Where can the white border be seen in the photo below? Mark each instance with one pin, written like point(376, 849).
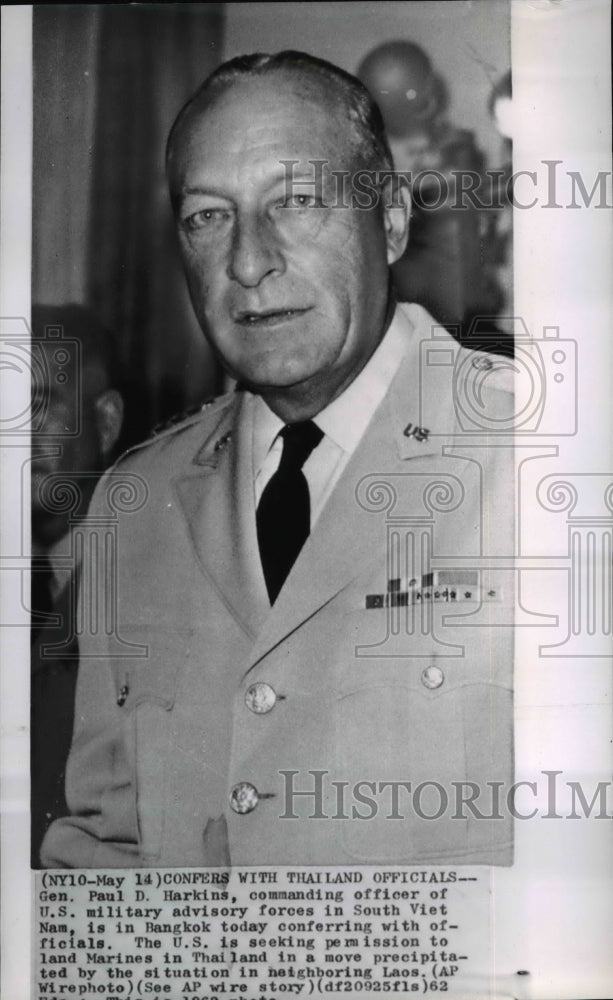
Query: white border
point(15, 257)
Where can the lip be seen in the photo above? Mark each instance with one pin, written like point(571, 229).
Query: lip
point(252, 319)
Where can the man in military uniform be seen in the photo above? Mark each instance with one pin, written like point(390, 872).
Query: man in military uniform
point(311, 652)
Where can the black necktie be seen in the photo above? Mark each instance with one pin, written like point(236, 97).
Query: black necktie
point(284, 511)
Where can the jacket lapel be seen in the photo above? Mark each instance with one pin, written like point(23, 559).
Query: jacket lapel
point(347, 537)
point(217, 500)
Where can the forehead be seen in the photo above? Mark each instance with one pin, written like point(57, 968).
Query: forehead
point(258, 122)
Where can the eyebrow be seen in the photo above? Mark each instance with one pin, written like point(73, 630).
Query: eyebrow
point(277, 181)
point(177, 198)
point(199, 190)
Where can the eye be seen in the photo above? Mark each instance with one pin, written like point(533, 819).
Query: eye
point(300, 201)
point(206, 218)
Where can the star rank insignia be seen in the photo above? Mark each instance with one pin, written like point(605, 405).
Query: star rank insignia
point(222, 442)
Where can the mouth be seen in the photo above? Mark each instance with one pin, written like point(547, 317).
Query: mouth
point(269, 317)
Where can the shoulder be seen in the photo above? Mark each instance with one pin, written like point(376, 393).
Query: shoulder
point(489, 371)
point(465, 365)
point(479, 384)
point(484, 392)
point(147, 468)
point(181, 431)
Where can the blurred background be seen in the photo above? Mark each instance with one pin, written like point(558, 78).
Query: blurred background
point(108, 82)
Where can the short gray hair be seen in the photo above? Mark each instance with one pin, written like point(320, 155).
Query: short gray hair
point(361, 110)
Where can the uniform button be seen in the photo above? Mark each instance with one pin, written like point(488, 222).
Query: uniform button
point(244, 797)
point(260, 697)
point(432, 677)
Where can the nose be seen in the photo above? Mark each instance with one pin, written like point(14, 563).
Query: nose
point(255, 252)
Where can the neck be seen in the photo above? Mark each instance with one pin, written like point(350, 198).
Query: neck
point(298, 403)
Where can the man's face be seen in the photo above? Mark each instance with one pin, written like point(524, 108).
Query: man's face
point(291, 293)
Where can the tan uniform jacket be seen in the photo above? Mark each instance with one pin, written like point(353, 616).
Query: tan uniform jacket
point(379, 683)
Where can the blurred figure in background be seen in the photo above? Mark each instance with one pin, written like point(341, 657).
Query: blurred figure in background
point(77, 417)
point(445, 267)
point(498, 253)
point(414, 99)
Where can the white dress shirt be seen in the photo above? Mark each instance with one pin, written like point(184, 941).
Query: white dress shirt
point(343, 423)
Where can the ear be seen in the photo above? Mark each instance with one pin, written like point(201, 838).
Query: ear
point(109, 419)
point(397, 212)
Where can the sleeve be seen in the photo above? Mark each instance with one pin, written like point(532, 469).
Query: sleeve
point(102, 830)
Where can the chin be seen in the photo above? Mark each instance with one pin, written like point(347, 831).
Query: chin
point(270, 377)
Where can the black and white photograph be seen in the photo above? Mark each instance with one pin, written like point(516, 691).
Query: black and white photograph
point(274, 636)
point(308, 529)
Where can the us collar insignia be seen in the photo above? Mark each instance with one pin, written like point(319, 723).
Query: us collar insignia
point(419, 433)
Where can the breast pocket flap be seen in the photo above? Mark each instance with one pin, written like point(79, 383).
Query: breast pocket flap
point(154, 677)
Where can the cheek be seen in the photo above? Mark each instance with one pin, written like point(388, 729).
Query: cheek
point(203, 271)
point(195, 272)
point(356, 256)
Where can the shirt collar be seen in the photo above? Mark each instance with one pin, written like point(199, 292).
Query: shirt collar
point(346, 418)
point(266, 426)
